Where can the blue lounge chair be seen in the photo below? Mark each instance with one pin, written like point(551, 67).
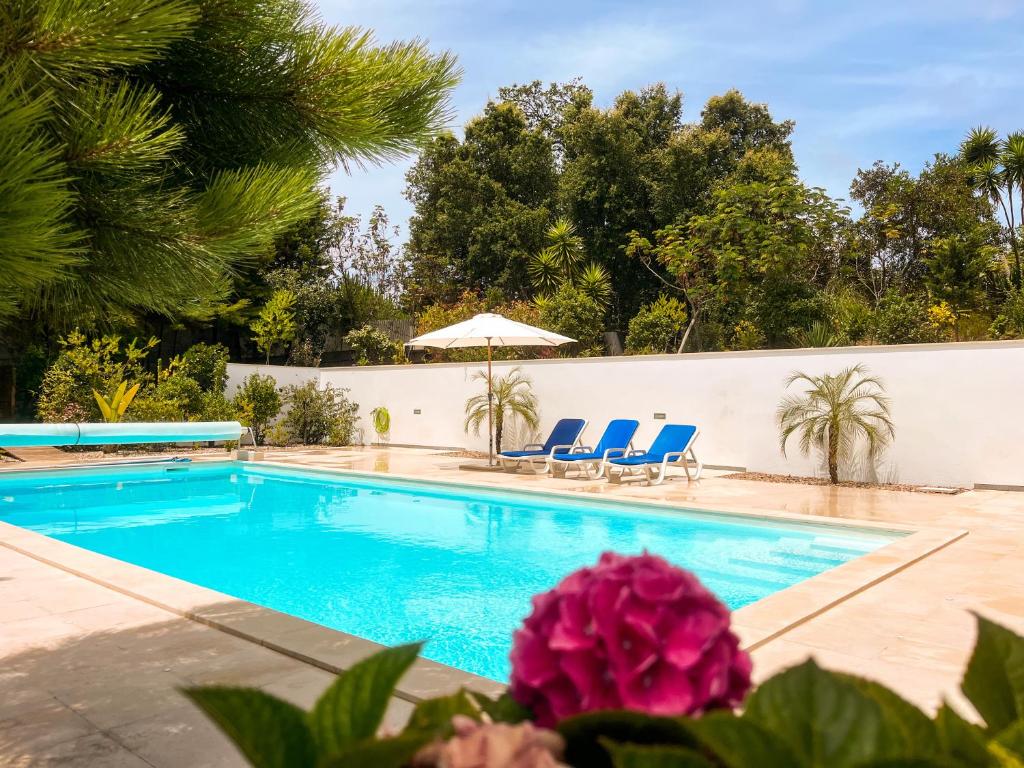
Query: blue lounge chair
point(534, 456)
point(590, 460)
point(673, 447)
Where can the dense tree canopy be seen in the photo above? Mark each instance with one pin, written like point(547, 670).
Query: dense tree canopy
point(148, 148)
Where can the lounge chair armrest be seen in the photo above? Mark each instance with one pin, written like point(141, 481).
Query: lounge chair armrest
point(637, 452)
point(533, 446)
point(582, 449)
point(614, 453)
point(560, 449)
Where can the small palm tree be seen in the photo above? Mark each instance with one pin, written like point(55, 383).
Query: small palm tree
point(512, 395)
point(834, 412)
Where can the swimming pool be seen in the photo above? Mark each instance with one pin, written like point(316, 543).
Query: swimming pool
point(395, 561)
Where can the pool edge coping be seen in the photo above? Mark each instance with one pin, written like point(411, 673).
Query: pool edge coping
point(335, 651)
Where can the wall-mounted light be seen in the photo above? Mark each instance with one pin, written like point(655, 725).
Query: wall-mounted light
point(659, 416)
point(415, 411)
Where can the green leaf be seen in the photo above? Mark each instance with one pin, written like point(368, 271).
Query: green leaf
point(919, 735)
point(271, 733)
point(656, 756)
point(434, 716)
point(739, 743)
point(1008, 746)
point(960, 739)
point(351, 710)
point(503, 709)
point(994, 680)
point(585, 733)
point(380, 753)
point(824, 718)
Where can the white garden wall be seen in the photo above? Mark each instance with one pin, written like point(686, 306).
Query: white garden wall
point(958, 408)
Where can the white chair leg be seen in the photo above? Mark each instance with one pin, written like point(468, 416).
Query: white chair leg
point(700, 467)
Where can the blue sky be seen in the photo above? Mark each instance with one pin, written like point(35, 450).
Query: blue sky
point(865, 81)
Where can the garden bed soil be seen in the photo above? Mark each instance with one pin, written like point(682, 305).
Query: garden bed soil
point(769, 478)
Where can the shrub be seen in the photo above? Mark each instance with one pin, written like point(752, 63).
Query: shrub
point(901, 320)
point(184, 391)
point(258, 402)
point(148, 407)
point(1009, 323)
point(216, 407)
point(657, 327)
point(207, 364)
point(571, 312)
point(370, 345)
point(313, 412)
point(746, 335)
point(438, 316)
point(83, 366)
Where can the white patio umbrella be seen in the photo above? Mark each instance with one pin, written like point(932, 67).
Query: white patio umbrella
point(489, 330)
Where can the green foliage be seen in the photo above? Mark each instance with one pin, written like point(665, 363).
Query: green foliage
point(1009, 323)
point(215, 407)
point(482, 206)
point(188, 131)
point(957, 267)
point(181, 390)
point(112, 408)
point(258, 402)
point(657, 327)
point(901, 319)
point(82, 366)
point(315, 415)
point(512, 398)
point(834, 413)
point(207, 365)
point(803, 717)
point(276, 322)
point(820, 334)
point(571, 312)
point(370, 345)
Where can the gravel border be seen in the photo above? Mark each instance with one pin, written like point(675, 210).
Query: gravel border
point(794, 479)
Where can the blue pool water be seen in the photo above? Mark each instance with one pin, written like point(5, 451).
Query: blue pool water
point(396, 561)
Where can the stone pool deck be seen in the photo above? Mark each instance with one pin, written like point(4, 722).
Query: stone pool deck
point(91, 663)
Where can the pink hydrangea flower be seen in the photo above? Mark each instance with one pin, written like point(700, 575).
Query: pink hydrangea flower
point(631, 632)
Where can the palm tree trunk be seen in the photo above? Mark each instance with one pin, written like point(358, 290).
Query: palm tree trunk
point(499, 424)
point(833, 455)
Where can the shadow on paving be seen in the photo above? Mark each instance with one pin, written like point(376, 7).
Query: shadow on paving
point(106, 698)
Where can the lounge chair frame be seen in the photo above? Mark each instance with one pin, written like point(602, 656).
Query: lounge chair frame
point(590, 469)
point(655, 472)
point(541, 463)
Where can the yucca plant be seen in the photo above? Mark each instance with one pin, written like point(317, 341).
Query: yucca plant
point(113, 408)
point(818, 335)
point(512, 396)
point(834, 412)
point(595, 281)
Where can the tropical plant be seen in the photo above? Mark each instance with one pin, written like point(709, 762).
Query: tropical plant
point(84, 365)
point(113, 407)
point(819, 334)
point(191, 132)
point(381, 422)
point(314, 413)
point(594, 281)
point(370, 345)
point(512, 398)
point(258, 402)
point(997, 171)
point(834, 413)
point(802, 717)
point(657, 327)
point(276, 322)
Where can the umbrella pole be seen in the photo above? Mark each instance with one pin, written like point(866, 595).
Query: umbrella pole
point(490, 410)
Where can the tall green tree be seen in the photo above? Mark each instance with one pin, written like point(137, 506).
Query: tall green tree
point(149, 147)
point(957, 266)
point(482, 207)
point(997, 173)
